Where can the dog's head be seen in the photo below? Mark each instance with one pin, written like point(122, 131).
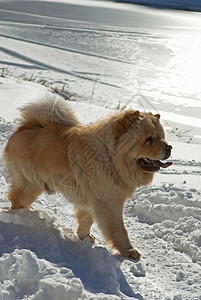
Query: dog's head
point(141, 135)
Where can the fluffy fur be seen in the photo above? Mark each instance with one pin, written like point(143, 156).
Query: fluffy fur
point(96, 167)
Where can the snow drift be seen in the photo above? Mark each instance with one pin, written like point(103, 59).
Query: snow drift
point(41, 257)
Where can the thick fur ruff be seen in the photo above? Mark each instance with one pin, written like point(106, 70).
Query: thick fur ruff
point(96, 167)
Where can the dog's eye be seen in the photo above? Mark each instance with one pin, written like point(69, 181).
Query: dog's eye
point(149, 140)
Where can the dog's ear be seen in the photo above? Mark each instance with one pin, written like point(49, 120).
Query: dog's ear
point(136, 114)
point(127, 120)
point(157, 116)
point(124, 122)
point(131, 116)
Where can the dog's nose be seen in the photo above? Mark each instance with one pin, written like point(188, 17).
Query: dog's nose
point(167, 150)
point(168, 147)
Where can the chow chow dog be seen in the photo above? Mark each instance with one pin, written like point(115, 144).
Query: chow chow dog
point(97, 167)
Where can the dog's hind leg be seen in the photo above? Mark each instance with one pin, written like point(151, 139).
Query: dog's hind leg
point(85, 220)
point(24, 184)
point(24, 196)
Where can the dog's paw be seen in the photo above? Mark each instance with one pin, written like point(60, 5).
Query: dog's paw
point(132, 253)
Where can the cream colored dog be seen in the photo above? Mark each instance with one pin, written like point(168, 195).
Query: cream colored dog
point(96, 167)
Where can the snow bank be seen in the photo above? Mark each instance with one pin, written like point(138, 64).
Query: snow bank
point(55, 266)
point(41, 257)
point(24, 276)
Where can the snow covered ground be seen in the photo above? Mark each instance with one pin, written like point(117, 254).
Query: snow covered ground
point(41, 257)
point(107, 61)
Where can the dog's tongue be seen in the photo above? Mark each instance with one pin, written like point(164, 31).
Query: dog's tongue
point(159, 164)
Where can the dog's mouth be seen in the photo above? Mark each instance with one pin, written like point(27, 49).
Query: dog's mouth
point(149, 165)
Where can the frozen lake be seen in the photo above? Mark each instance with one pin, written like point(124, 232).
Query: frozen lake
point(110, 54)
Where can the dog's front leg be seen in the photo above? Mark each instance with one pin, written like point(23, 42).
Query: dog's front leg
point(85, 221)
point(110, 220)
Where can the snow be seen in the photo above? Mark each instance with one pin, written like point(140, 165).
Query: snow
point(40, 254)
point(43, 259)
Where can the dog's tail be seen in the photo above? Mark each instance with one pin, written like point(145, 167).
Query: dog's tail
point(50, 109)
